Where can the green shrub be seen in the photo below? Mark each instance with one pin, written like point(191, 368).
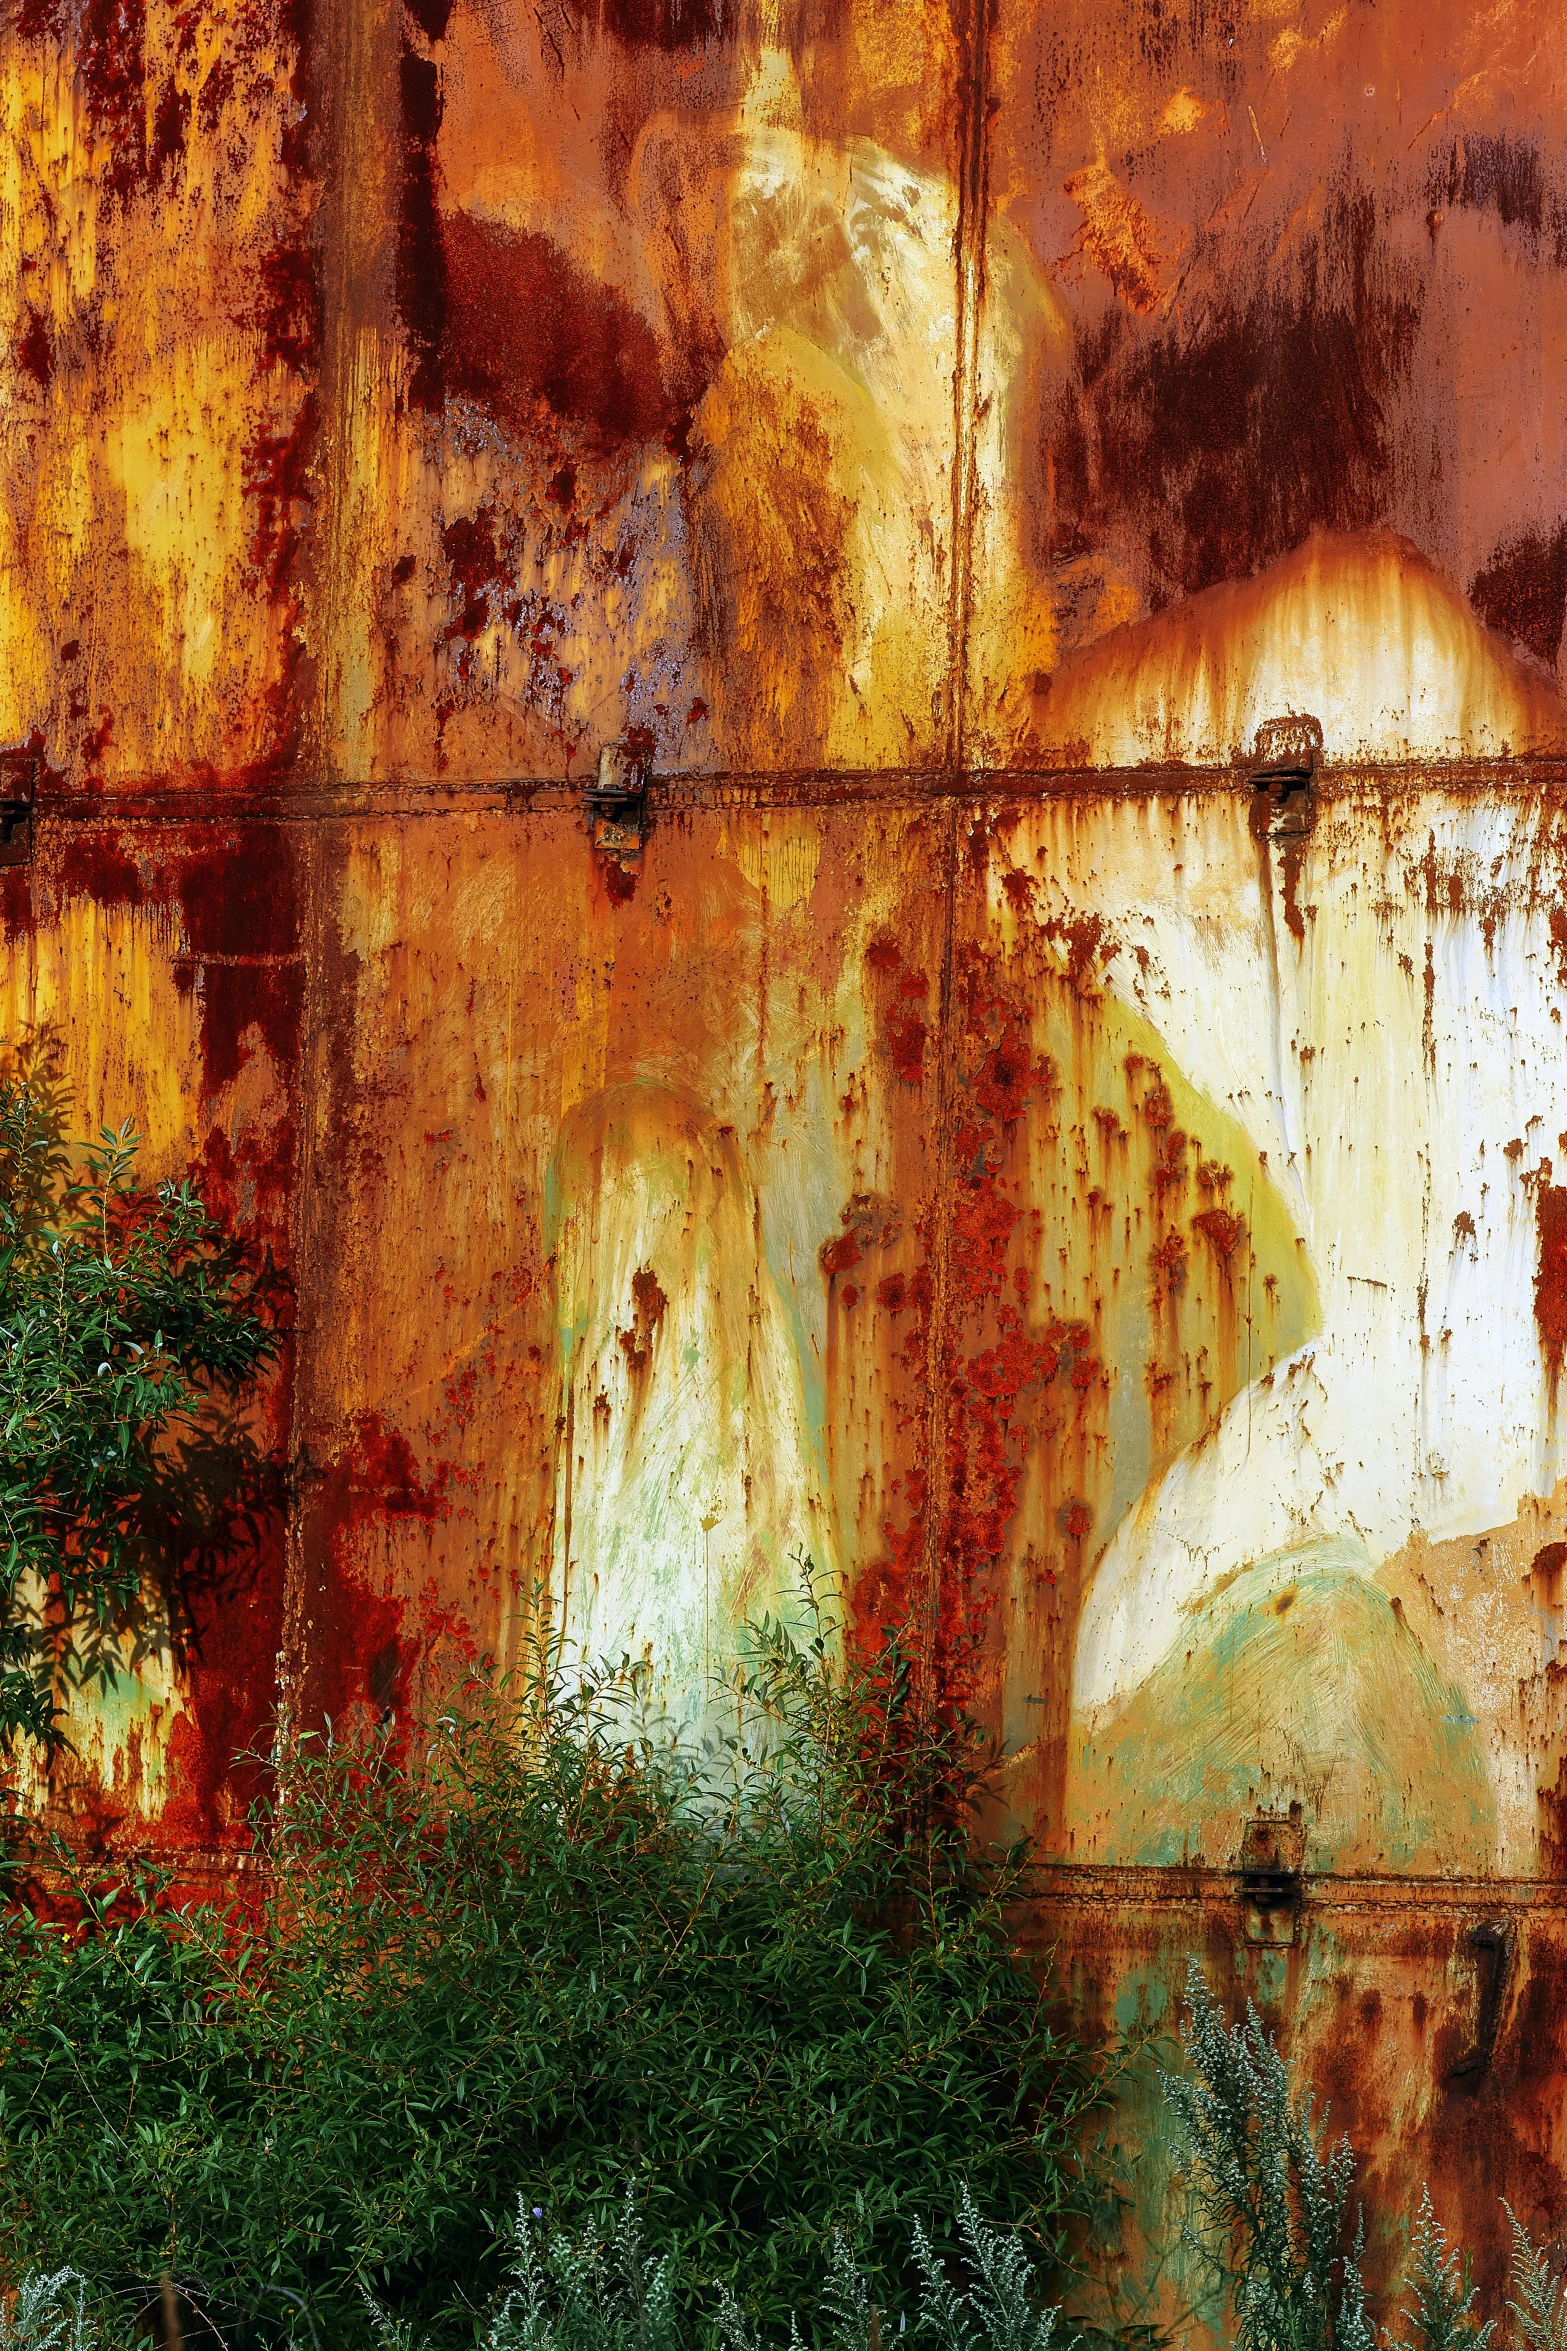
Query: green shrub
point(122, 1315)
point(541, 1948)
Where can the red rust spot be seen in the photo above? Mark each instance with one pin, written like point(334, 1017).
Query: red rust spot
point(1550, 1282)
point(839, 1254)
point(883, 953)
point(1009, 1075)
point(1088, 939)
point(96, 743)
point(906, 1036)
point(1220, 1230)
point(1168, 1262)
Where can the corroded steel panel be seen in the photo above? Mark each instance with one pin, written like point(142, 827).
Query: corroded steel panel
point(619, 1198)
point(160, 968)
point(645, 394)
point(1302, 270)
point(962, 1125)
point(160, 306)
point(1286, 1122)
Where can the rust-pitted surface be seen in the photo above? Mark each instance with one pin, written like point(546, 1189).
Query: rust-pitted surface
point(1052, 1102)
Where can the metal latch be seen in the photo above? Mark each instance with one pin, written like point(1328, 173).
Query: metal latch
point(1283, 772)
point(617, 800)
point(18, 787)
point(1273, 1854)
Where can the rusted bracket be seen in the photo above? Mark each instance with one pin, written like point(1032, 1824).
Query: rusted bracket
point(1273, 1853)
point(18, 789)
point(617, 802)
point(1492, 1944)
point(1283, 773)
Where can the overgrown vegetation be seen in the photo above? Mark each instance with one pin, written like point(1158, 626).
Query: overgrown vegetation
point(589, 2292)
point(122, 1313)
point(1275, 2220)
point(542, 1948)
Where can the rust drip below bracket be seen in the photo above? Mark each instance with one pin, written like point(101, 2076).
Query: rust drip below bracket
point(1491, 1942)
point(18, 790)
point(1283, 775)
point(616, 803)
point(1273, 1853)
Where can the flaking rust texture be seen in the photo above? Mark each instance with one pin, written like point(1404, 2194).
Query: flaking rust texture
point(966, 1125)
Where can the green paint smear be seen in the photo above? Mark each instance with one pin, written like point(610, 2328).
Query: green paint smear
point(1295, 1680)
point(1090, 1044)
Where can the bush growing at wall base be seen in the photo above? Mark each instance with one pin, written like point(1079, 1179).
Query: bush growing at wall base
point(539, 1949)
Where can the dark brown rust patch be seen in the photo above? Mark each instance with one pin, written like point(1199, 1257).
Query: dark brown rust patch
point(478, 572)
point(1522, 591)
point(290, 311)
point(421, 263)
point(656, 24)
point(524, 326)
point(35, 352)
point(648, 1307)
point(1483, 172)
point(1222, 436)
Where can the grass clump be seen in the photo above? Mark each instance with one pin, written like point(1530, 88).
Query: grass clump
point(540, 1948)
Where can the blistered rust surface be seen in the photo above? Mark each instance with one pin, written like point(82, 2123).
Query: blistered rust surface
point(1112, 1220)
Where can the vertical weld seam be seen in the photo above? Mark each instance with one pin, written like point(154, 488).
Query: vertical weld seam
point(969, 261)
point(355, 277)
point(940, 1264)
point(291, 1661)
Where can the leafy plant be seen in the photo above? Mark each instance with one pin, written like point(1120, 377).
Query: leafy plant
point(586, 2293)
point(999, 2311)
point(544, 1944)
point(1442, 2317)
point(1539, 2297)
point(53, 2312)
point(1271, 2199)
point(120, 1313)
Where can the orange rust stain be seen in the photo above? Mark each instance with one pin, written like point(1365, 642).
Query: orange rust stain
point(648, 1305)
point(1550, 1281)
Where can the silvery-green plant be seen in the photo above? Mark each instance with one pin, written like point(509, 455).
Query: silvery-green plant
point(1539, 2297)
point(1442, 2314)
point(586, 2293)
point(52, 2311)
point(1270, 2196)
point(573, 2293)
point(1000, 2310)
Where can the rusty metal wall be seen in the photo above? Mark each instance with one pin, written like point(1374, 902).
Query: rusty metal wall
point(964, 1120)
